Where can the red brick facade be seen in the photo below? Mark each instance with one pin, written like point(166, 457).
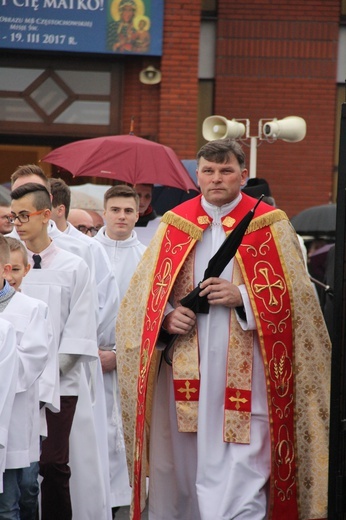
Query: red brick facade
point(167, 112)
point(275, 60)
point(272, 60)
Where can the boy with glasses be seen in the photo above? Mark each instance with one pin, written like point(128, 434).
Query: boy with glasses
point(63, 281)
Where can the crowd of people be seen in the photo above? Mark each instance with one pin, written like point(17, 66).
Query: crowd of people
point(94, 415)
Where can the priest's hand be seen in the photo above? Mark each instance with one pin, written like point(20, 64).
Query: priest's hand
point(221, 292)
point(108, 360)
point(179, 321)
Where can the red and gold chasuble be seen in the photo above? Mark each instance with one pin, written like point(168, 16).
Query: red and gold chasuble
point(262, 271)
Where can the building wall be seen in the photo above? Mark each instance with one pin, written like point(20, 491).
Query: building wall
point(276, 59)
point(167, 112)
point(273, 59)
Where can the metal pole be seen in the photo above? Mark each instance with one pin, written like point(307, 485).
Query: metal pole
point(253, 157)
point(337, 451)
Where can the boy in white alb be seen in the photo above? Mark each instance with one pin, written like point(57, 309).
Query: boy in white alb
point(33, 173)
point(89, 496)
point(48, 383)
point(124, 251)
point(29, 320)
point(85, 504)
point(63, 281)
point(8, 383)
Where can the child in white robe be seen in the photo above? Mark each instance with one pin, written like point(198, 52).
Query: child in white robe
point(28, 316)
point(8, 383)
point(48, 382)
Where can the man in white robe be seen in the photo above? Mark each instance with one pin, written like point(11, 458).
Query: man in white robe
point(209, 470)
point(124, 251)
point(87, 499)
point(224, 432)
point(65, 285)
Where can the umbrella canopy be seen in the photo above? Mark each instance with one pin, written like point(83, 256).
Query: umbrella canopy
point(125, 158)
point(317, 221)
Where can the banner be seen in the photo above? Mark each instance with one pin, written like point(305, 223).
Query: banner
point(93, 26)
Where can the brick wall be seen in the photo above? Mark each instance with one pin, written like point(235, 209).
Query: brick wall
point(275, 60)
point(272, 60)
point(167, 112)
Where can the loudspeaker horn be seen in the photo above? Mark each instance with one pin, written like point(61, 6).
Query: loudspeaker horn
point(218, 127)
point(291, 129)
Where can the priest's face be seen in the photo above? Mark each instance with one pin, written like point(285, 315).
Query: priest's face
point(120, 215)
point(220, 183)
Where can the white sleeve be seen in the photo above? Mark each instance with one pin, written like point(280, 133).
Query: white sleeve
point(249, 323)
point(79, 332)
point(8, 382)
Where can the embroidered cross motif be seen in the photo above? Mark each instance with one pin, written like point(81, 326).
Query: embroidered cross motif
point(187, 390)
point(237, 400)
point(204, 219)
point(162, 282)
point(264, 271)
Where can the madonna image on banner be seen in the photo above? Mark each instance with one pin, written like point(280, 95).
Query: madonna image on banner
point(134, 26)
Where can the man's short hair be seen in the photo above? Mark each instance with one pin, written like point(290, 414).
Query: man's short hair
point(221, 150)
point(121, 190)
point(41, 196)
point(27, 171)
point(4, 250)
point(61, 194)
point(16, 245)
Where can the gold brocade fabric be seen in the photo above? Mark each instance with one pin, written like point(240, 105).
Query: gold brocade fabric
point(311, 367)
point(239, 365)
point(185, 358)
point(312, 362)
point(129, 325)
point(239, 375)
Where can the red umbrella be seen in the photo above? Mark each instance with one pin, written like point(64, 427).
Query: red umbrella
point(125, 158)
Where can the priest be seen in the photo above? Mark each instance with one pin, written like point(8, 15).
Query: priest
point(237, 427)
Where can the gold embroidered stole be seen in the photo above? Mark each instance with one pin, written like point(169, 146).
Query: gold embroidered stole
point(177, 242)
point(262, 269)
point(268, 287)
point(186, 376)
point(185, 364)
point(237, 420)
point(183, 229)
